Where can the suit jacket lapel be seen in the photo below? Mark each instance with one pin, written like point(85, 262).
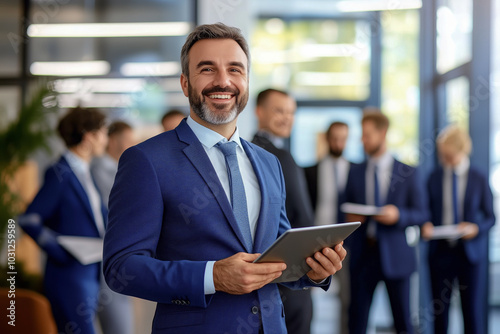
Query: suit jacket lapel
point(439, 195)
point(262, 230)
point(78, 188)
point(195, 152)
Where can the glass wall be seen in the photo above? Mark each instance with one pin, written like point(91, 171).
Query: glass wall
point(454, 34)
point(400, 82)
point(495, 134)
point(313, 59)
point(308, 141)
point(457, 101)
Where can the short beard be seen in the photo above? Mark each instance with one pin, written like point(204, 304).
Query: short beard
point(336, 153)
point(374, 151)
point(201, 110)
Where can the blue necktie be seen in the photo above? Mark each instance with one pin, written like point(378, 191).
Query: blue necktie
point(238, 197)
point(455, 198)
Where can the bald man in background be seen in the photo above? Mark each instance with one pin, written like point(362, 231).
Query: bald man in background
point(171, 119)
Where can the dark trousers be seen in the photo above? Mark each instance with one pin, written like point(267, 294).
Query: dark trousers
point(449, 265)
point(365, 276)
point(298, 310)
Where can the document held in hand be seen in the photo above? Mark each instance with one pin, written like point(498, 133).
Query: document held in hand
point(360, 209)
point(85, 249)
point(295, 245)
point(448, 232)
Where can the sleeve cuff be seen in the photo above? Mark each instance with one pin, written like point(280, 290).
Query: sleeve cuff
point(209, 278)
point(317, 283)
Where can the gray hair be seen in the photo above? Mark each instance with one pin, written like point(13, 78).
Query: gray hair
point(212, 31)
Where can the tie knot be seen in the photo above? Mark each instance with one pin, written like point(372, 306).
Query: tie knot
point(228, 148)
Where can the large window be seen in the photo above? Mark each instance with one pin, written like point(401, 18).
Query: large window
point(308, 137)
point(454, 33)
point(314, 59)
point(457, 101)
point(495, 134)
point(400, 93)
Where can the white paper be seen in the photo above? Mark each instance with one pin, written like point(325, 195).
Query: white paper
point(85, 249)
point(360, 209)
point(449, 232)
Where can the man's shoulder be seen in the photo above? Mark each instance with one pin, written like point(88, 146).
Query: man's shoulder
point(259, 150)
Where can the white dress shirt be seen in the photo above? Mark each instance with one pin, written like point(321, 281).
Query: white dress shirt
point(385, 165)
point(104, 169)
point(81, 168)
point(209, 139)
point(462, 172)
point(330, 184)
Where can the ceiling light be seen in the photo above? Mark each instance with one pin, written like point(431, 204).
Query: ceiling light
point(70, 68)
point(150, 69)
point(377, 5)
point(118, 85)
point(131, 29)
point(331, 79)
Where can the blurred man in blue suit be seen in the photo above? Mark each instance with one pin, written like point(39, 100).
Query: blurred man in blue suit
point(378, 249)
point(69, 204)
point(459, 195)
point(191, 208)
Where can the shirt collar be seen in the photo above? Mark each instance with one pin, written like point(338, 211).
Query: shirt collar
point(382, 162)
point(210, 138)
point(76, 163)
point(277, 141)
point(461, 168)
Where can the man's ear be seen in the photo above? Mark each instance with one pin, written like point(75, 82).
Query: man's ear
point(184, 85)
point(259, 112)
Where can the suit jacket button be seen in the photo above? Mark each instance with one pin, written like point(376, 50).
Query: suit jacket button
point(255, 310)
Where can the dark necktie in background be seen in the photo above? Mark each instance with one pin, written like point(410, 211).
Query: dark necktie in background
point(376, 187)
point(455, 198)
point(238, 197)
point(372, 224)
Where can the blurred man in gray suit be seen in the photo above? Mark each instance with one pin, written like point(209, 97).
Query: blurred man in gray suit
point(114, 310)
point(326, 182)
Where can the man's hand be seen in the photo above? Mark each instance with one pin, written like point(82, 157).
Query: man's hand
point(389, 215)
point(326, 262)
point(238, 274)
point(471, 230)
point(351, 217)
point(427, 230)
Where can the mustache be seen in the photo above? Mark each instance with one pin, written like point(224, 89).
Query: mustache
point(218, 89)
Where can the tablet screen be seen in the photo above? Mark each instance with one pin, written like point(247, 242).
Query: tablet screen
point(295, 245)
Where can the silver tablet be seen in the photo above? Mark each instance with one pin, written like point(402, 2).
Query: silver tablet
point(297, 244)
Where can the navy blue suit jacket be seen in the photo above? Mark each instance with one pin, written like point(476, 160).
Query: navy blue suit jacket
point(62, 207)
point(477, 208)
point(169, 215)
point(406, 193)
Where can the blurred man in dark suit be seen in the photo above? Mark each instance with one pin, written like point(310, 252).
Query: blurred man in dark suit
point(326, 182)
point(459, 195)
point(379, 250)
point(275, 112)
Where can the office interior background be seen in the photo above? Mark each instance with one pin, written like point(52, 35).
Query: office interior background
point(425, 63)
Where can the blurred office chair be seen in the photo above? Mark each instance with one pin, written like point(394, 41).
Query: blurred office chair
point(33, 314)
